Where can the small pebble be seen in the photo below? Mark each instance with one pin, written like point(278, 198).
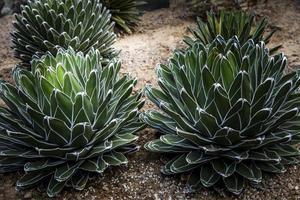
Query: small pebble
point(28, 195)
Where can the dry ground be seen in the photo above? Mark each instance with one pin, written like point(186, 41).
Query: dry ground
point(160, 33)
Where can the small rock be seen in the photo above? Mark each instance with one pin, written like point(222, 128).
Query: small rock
point(105, 188)
point(28, 195)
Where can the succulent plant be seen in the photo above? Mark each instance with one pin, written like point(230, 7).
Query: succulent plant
point(229, 24)
point(198, 7)
point(10, 6)
point(125, 13)
point(47, 25)
point(228, 113)
point(66, 119)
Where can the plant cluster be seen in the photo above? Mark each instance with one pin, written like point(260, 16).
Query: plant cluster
point(228, 111)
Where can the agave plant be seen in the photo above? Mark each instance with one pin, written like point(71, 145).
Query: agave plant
point(228, 113)
point(229, 24)
point(67, 119)
point(125, 13)
point(47, 25)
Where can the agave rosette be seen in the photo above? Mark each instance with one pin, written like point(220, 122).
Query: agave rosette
point(228, 113)
point(67, 119)
point(125, 13)
point(47, 25)
point(229, 24)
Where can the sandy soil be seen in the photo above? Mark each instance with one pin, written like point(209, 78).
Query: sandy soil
point(160, 33)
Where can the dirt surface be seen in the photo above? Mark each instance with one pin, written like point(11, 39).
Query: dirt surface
point(160, 33)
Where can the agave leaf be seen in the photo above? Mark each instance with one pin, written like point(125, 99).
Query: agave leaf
point(235, 88)
point(54, 128)
point(106, 131)
point(102, 118)
point(190, 103)
point(286, 116)
point(28, 86)
point(123, 139)
point(176, 140)
point(285, 150)
point(224, 167)
point(261, 93)
point(31, 178)
point(159, 146)
point(94, 165)
point(29, 153)
point(54, 187)
point(64, 172)
point(98, 149)
point(194, 180)
point(9, 164)
point(155, 95)
point(63, 102)
point(264, 155)
point(181, 165)
point(289, 160)
point(207, 123)
point(79, 180)
point(227, 73)
point(198, 157)
point(221, 100)
point(281, 94)
point(208, 176)
point(38, 118)
point(256, 122)
point(249, 171)
point(184, 124)
point(81, 134)
point(42, 164)
point(227, 136)
point(269, 167)
point(193, 137)
point(236, 155)
point(207, 80)
point(158, 121)
point(115, 158)
point(29, 139)
point(234, 183)
point(260, 116)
